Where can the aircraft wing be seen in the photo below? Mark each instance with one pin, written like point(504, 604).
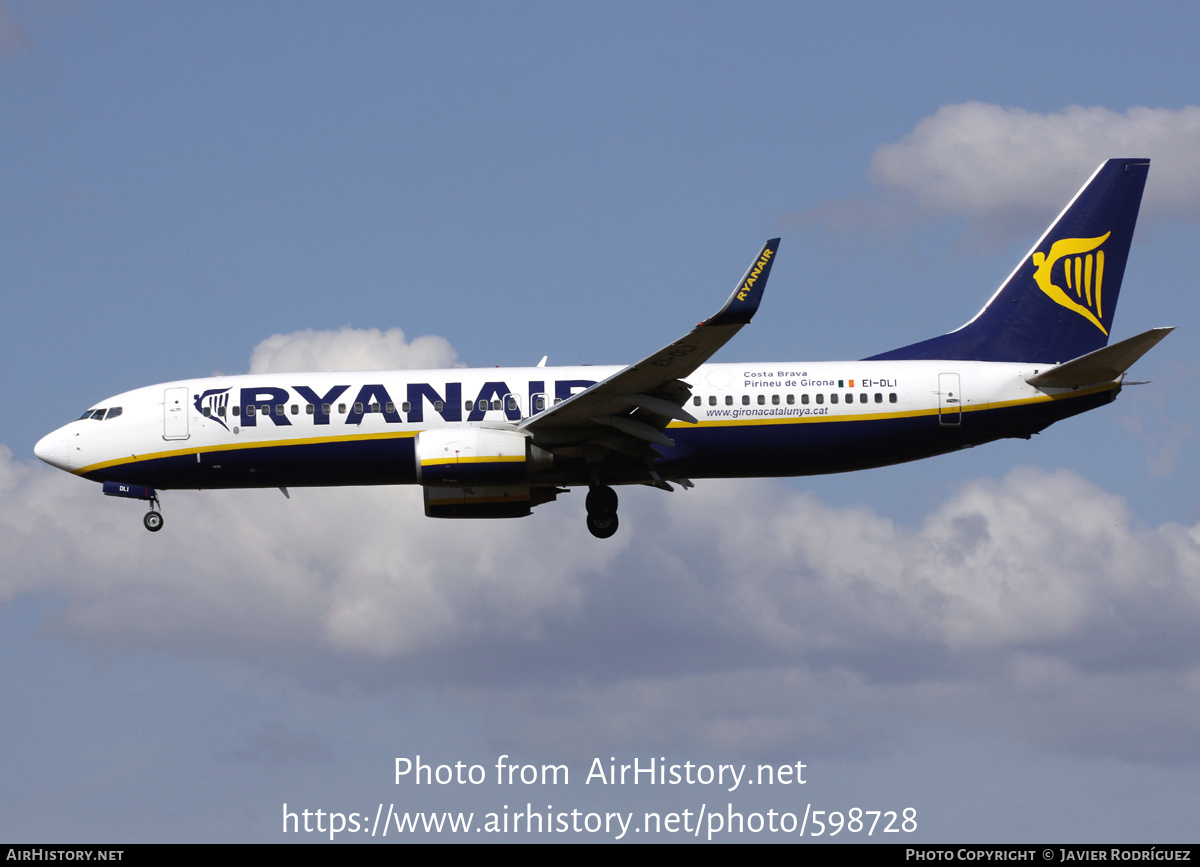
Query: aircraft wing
point(631, 408)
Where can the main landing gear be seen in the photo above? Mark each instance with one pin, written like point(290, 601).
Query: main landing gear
point(602, 511)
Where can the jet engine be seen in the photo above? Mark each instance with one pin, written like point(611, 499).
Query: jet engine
point(475, 472)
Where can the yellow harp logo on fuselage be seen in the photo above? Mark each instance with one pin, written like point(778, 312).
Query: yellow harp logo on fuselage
point(1082, 272)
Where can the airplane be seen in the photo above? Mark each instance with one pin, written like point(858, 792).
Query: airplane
point(496, 443)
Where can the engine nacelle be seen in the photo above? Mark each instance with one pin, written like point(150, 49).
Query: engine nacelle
point(496, 501)
point(465, 456)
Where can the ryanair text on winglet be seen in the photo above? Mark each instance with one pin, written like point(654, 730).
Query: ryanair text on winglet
point(754, 272)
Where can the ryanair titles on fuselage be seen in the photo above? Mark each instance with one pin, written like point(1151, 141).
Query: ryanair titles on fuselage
point(239, 406)
point(252, 405)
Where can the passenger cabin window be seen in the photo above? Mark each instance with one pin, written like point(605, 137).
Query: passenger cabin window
point(375, 407)
point(791, 399)
point(437, 405)
point(862, 398)
point(539, 403)
point(697, 400)
point(879, 397)
point(804, 399)
point(237, 410)
point(729, 400)
point(712, 400)
point(279, 409)
point(849, 397)
point(892, 397)
point(820, 398)
point(468, 405)
point(206, 412)
point(358, 407)
point(762, 399)
point(512, 403)
point(745, 400)
point(311, 409)
point(341, 409)
point(295, 409)
point(250, 411)
point(833, 398)
point(497, 405)
point(391, 406)
point(775, 400)
point(407, 407)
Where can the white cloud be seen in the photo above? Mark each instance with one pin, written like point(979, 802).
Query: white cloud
point(1001, 167)
point(985, 160)
point(355, 571)
point(737, 615)
point(350, 349)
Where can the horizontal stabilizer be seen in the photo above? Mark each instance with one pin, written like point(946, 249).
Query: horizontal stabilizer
point(1103, 365)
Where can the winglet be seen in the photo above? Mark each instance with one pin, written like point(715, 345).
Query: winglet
point(744, 301)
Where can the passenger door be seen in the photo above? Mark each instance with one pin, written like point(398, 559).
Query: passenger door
point(175, 413)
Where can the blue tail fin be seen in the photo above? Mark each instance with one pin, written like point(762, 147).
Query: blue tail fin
point(1059, 302)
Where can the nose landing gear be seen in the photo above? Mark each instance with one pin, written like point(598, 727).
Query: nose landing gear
point(601, 511)
point(153, 520)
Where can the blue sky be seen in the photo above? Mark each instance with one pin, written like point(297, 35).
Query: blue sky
point(186, 181)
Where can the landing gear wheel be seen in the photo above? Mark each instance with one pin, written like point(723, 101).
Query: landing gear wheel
point(153, 521)
point(601, 499)
point(602, 525)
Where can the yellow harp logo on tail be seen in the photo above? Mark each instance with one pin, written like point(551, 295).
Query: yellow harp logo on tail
point(1082, 272)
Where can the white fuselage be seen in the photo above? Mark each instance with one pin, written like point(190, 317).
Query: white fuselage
point(749, 416)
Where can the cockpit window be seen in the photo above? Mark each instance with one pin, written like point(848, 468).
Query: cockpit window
point(99, 414)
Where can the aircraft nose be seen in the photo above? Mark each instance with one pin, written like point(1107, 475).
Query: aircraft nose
point(52, 448)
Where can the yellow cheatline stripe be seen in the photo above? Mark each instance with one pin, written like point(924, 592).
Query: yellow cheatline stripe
point(244, 446)
point(497, 459)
